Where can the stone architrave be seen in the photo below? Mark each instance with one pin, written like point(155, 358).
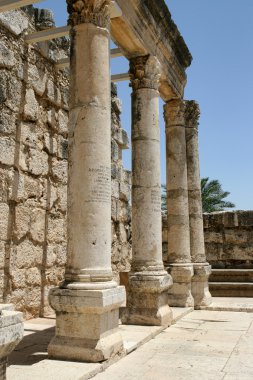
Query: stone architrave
point(11, 333)
point(87, 303)
point(179, 256)
point(202, 270)
point(147, 289)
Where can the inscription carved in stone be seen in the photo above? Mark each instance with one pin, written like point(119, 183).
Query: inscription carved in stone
point(101, 185)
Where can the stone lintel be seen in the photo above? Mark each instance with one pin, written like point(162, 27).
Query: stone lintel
point(147, 28)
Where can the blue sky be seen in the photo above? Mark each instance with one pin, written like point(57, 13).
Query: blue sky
point(219, 35)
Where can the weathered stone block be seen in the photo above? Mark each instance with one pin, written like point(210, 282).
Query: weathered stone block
point(56, 228)
point(53, 93)
point(26, 255)
point(50, 144)
point(7, 151)
point(2, 254)
point(62, 198)
point(31, 135)
point(63, 122)
point(37, 77)
point(33, 277)
point(37, 162)
point(7, 58)
point(18, 278)
point(7, 119)
point(4, 221)
point(15, 21)
point(60, 170)
point(121, 138)
point(62, 151)
point(31, 108)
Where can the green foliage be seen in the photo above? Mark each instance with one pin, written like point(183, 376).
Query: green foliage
point(212, 196)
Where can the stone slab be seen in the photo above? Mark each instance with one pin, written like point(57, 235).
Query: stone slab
point(180, 312)
point(236, 304)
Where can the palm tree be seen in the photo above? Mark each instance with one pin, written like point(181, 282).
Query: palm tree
point(212, 196)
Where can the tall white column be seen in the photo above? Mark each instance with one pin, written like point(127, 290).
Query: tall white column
point(202, 269)
point(87, 303)
point(147, 291)
point(179, 254)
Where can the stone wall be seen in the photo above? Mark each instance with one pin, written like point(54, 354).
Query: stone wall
point(229, 239)
point(33, 166)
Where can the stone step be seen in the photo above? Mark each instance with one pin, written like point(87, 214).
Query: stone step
point(231, 289)
point(231, 275)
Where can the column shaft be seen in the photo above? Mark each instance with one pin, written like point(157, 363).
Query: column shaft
point(179, 256)
point(87, 303)
point(147, 299)
point(202, 269)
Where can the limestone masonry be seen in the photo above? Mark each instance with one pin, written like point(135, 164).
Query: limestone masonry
point(229, 239)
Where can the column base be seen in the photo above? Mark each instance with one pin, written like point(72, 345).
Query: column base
point(86, 324)
point(200, 287)
point(147, 300)
point(180, 294)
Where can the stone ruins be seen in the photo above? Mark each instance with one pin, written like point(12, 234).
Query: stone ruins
point(71, 239)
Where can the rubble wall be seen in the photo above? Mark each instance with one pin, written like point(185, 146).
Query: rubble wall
point(33, 166)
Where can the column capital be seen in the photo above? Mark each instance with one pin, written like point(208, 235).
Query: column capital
point(174, 112)
point(95, 12)
point(192, 114)
point(145, 72)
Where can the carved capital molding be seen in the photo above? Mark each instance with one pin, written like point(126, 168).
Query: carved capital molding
point(145, 72)
point(174, 112)
point(96, 12)
point(192, 114)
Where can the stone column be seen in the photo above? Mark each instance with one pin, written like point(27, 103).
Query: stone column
point(147, 290)
point(202, 269)
point(179, 255)
point(87, 303)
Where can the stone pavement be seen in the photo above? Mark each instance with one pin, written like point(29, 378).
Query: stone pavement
point(202, 345)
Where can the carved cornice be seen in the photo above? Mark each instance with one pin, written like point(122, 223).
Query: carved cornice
point(145, 72)
point(192, 114)
point(174, 112)
point(96, 12)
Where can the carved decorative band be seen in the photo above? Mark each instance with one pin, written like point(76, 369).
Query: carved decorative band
point(192, 113)
point(145, 72)
point(96, 12)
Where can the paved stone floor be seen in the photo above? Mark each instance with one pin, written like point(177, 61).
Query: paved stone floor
point(204, 345)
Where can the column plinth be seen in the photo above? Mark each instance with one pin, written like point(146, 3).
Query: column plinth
point(147, 290)
point(179, 256)
point(202, 270)
point(87, 302)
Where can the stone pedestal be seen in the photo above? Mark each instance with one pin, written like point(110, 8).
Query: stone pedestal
point(88, 301)
point(11, 333)
point(86, 324)
point(179, 255)
point(202, 270)
point(147, 298)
